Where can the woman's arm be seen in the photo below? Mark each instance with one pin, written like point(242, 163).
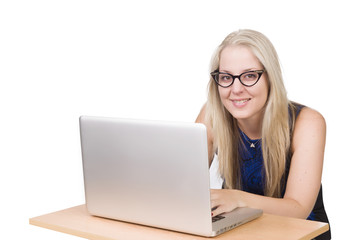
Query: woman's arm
point(304, 177)
point(201, 119)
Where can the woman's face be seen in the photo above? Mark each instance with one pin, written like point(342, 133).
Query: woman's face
point(244, 103)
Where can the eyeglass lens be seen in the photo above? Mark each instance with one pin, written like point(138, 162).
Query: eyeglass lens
point(248, 78)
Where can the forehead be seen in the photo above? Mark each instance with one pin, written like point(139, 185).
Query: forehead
point(235, 58)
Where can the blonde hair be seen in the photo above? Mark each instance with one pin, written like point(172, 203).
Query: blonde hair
point(275, 128)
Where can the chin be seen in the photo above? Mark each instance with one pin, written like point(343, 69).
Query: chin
point(239, 115)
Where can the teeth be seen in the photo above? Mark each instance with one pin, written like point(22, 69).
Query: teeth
point(242, 101)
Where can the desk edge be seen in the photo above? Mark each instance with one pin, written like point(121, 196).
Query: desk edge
point(35, 222)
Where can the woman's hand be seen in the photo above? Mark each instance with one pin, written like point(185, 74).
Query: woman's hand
point(225, 200)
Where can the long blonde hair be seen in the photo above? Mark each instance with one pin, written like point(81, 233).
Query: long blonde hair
point(275, 128)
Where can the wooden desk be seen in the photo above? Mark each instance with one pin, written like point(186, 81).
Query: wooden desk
point(78, 222)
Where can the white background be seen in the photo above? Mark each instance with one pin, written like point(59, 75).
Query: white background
point(150, 59)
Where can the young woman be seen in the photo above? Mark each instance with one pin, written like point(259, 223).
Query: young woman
point(270, 150)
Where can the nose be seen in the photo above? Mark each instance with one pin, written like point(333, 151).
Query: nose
point(237, 86)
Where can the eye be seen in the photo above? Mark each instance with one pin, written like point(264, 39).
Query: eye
point(225, 77)
point(250, 76)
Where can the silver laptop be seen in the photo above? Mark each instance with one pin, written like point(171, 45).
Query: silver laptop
point(152, 173)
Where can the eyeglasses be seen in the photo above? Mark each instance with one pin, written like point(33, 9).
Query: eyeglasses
point(247, 79)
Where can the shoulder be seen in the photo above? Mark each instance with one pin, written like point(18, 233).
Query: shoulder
point(310, 116)
point(201, 118)
point(310, 124)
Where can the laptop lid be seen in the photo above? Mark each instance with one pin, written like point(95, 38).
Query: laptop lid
point(147, 172)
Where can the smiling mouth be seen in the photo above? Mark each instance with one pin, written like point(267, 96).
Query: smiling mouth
point(241, 101)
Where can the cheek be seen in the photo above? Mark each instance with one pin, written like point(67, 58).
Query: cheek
point(264, 94)
point(266, 90)
point(223, 93)
point(262, 89)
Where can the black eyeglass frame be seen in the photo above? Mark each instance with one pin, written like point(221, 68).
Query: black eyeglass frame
point(214, 73)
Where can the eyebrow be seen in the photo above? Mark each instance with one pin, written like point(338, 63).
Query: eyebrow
point(246, 70)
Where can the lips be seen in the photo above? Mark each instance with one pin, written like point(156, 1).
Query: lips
point(240, 102)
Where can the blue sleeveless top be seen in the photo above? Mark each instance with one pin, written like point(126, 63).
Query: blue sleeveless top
point(251, 165)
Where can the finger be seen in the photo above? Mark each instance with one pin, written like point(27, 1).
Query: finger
point(214, 204)
point(217, 211)
point(214, 199)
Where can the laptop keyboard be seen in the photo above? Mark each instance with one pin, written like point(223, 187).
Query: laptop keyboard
point(217, 218)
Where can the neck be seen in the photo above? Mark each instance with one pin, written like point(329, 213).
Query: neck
point(251, 127)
